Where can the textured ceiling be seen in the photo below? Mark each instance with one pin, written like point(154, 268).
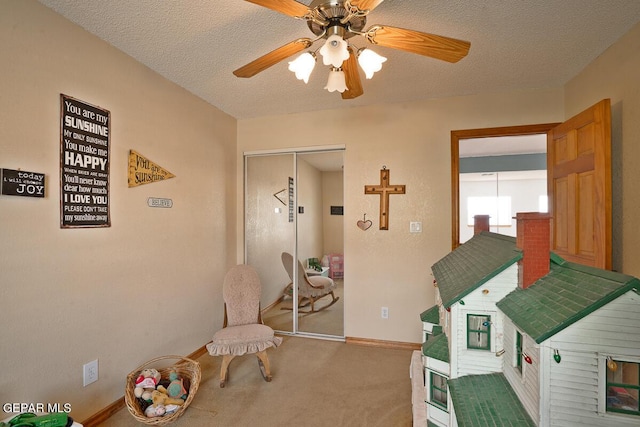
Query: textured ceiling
point(515, 44)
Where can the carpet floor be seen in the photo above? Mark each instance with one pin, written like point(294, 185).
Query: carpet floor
point(315, 383)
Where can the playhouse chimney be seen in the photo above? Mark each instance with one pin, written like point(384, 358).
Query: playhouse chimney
point(480, 223)
point(534, 239)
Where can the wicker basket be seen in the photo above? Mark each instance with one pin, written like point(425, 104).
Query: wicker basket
point(187, 369)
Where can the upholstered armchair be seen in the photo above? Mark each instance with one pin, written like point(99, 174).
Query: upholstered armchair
point(310, 288)
point(243, 331)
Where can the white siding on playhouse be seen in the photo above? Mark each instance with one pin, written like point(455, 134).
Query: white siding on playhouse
point(525, 385)
point(576, 384)
point(437, 366)
point(437, 416)
point(471, 362)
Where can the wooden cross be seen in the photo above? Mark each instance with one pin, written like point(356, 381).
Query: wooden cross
point(384, 190)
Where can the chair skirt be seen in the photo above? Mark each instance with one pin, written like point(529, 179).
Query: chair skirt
point(243, 339)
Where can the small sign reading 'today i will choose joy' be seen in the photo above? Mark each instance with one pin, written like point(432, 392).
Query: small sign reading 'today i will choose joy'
point(21, 183)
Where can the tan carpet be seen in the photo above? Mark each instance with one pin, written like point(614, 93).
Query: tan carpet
point(315, 383)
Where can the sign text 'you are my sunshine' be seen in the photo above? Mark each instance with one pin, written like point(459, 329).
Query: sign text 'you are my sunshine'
point(84, 164)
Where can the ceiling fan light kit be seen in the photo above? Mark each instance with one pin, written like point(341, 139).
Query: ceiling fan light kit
point(337, 80)
point(370, 62)
point(334, 51)
point(337, 21)
point(303, 65)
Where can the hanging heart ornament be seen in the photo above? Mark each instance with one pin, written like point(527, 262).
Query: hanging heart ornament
point(365, 223)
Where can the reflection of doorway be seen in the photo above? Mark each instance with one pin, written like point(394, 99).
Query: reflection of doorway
point(292, 201)
point(500, 176)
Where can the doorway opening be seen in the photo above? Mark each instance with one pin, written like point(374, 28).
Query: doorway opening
point(499, 177)
point(497, 172)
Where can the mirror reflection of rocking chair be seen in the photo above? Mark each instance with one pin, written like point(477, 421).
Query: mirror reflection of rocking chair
point(243, 331)
point(310, 288)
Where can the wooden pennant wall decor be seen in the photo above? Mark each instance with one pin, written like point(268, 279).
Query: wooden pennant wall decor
point(144, 171)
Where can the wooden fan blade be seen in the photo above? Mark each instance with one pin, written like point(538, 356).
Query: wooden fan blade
point(352, 77)
point(272, 58)
point(366, 4)
point(288, 7)
point(439, 47)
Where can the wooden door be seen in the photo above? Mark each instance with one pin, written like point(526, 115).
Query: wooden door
point(579, 186)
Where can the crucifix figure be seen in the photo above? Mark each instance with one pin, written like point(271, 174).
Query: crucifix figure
point(384, 190)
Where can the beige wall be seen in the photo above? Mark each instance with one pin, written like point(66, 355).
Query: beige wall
point(393, 268)
point(614, 75)
point(149, 285)
point(309, 193)
point(333, 225)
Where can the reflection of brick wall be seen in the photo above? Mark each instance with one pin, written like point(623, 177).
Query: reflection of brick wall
point(534, 239)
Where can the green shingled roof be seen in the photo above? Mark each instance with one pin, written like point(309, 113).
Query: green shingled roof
point(437, 348)
point(431, 315)
point(567, 294)
point(487, 400)
point(472, 264)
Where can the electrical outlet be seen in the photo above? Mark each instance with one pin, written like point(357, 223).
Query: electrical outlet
point(90, 373)
point(384, 312)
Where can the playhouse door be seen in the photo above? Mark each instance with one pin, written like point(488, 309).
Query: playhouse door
point(579, 186)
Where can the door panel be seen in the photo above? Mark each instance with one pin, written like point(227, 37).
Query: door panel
point(585, 214)
point(319, 185)
point(269, 229)
point(579, 180)
point(561, 236)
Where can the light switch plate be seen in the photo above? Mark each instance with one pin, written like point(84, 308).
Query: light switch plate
point(415, 227)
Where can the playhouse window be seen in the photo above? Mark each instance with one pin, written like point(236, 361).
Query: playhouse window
point(623, 386)
point(519, 352)
point(438, 390)
point(478, 332)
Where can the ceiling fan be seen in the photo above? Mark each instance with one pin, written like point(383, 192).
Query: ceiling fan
point(336, 21)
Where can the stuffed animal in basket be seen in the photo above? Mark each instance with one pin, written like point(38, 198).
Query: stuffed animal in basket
point(160, 397)
point(146, 383)
point(176, 386)
point(153, 411)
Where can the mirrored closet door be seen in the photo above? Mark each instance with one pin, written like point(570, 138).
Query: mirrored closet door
point(294, 206)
